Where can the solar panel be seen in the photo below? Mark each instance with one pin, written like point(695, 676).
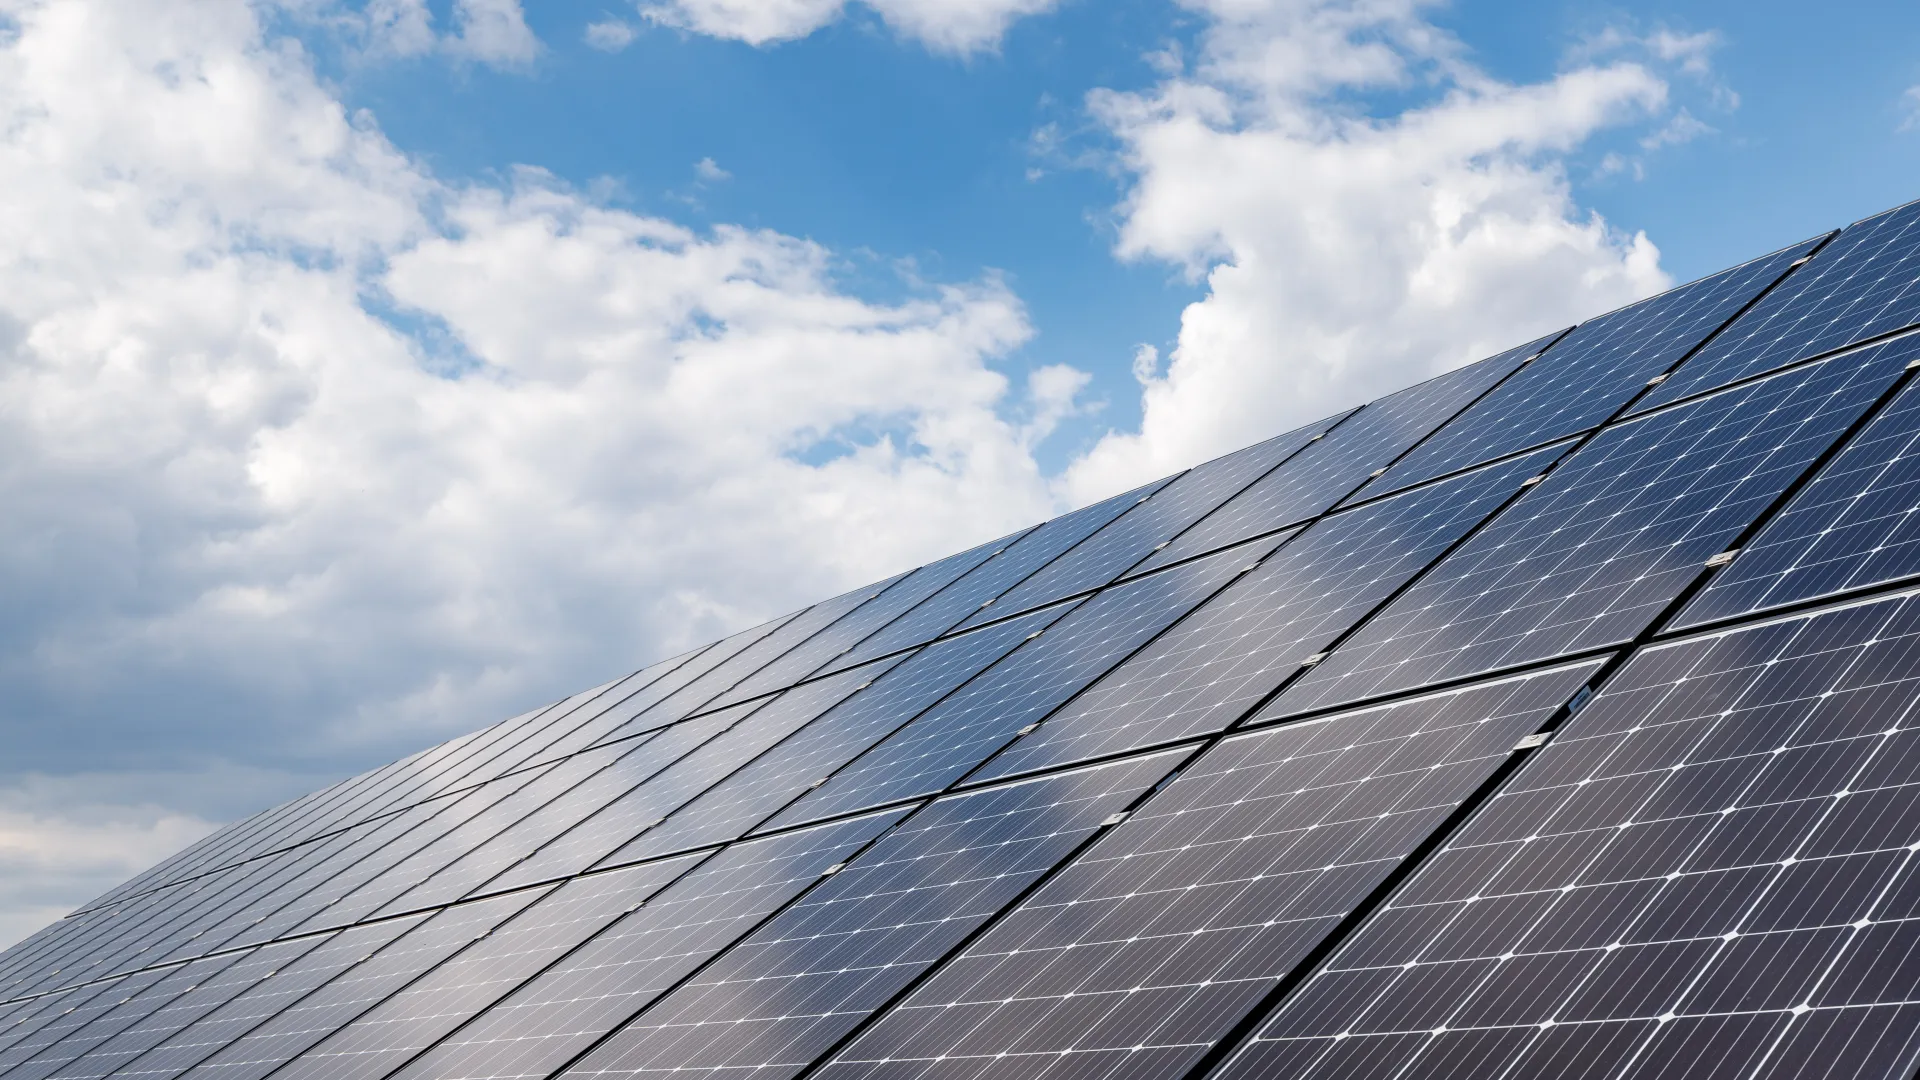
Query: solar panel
point(1148, 948)
point(977, 588)
point(760, 789)
point(263, 1000)
point(1848, 529)
point(1863, 284)
point(78, 1009)
point(396, 1030)
point(789, 990)
point(1591, 373)
point(1319, 477)
point(566, 1009)
point(593, 840)
point(203, 997)
point(1226, 657)
point(301, 1025)
point(947, 741)
point(1709, 872)
point(1132, 536)
point(829, 644)
point(127, 1008)
point(1595, 552)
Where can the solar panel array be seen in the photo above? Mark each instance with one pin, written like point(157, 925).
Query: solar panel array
point(1553, 717)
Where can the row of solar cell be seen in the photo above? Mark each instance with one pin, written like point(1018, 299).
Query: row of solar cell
point(1707, 872)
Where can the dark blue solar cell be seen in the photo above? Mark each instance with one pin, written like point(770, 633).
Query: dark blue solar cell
point(1225, 658)
point(563, 1011)
point(264, 999)
point(1709, 871)
point(1153, 944)
point(834, 641)
point(1853, 526)
point(803, 762)
point(978, 587)
point(203, 997)
point(1147, 527)
point(1594, 553)
point(785, 994)
point(1332, 467)
point(297, 1028)
point(399, 1028)
point(1863, 284)
point(593, 840)
point(948, 740)
point(1589, 374)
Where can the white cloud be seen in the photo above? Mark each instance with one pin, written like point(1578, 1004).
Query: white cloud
point(709, 171)
point(492, 32)
point(1348, 252)
point(609, 35)
point(312, 458)
point(959, 27)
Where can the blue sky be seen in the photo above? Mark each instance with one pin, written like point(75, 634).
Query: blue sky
point(371, 370)
point(885, 151)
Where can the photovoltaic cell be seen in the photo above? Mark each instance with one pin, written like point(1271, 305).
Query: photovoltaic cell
point(264, 1000)
point(1589, 374)
point(1136, 534)
point(1317, 478)
point(78, 1009)
point(947, 741)
point(1851, 527)
point(947, 608)
point(598, 840)
point(590, 820)
point(85, 1031)
point(638, 713)
point(1709, 872)
point(1595, 552)
point(248, 968)
point(785, 994)
point(397, 1029)
point(563, 1011)
point(829, 644)
point(1149, 947)
point(299, 1026)
point(760, 789)
point(1221, 661)
point(1863, 284)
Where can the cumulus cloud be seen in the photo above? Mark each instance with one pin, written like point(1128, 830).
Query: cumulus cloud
point(312, 457)
point(959, 27)
point(609, 34)
point(1350, 250)
point(491, 32)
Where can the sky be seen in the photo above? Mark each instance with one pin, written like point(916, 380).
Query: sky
point(372, 371)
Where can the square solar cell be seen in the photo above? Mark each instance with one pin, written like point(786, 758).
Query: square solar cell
point(1317, 478)
point(766, 785)
point(834, 641)
point(790, 990)
point(1597, 551)
point(1154, 943)
point(202, 998)
point(1863, 284)
point(264, 1000)
point(397, 1029)
point(980, 586)
point(567, 1008)
point(1851, 527)
point(1588, 375)
point(567, 835)
point(1710, 872)
point(1225, 658)
point(947, 741)
point(1149, 526)
point(301, 1025)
